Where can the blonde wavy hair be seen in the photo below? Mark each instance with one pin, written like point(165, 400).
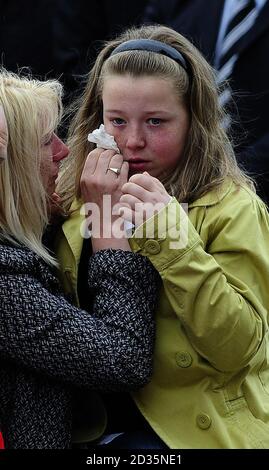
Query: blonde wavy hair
point(33, 109)
point(208, 155)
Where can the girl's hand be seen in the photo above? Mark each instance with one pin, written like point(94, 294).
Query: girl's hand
point(143, 196)
point(3, 135)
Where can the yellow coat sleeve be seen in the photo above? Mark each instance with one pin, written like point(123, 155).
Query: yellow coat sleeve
point(217, 279)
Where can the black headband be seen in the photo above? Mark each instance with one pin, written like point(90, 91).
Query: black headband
point(152, 46)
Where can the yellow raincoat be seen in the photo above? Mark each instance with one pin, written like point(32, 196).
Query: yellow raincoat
point(210, 386)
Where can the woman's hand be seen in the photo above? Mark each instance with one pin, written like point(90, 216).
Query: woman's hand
point(143, 196)
point(3, 135)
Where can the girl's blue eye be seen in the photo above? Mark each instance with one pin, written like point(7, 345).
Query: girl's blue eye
point(155, 121)
point(118, 121)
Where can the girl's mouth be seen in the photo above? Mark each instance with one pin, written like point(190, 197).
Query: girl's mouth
point(137, 164)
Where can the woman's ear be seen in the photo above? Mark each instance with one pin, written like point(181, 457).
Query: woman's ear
point(3, 135)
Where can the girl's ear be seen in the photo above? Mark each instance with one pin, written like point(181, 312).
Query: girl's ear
point(3, 135)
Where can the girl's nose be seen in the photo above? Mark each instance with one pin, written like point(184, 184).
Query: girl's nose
point(59, 149)
point(135, 139)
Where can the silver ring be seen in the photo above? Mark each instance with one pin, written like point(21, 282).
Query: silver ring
point(115, 170)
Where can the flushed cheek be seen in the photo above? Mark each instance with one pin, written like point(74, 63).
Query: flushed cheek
point(110, 129)
point(163, 147)
point(117, 134)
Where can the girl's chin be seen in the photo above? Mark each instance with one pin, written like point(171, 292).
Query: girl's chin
point(134, 172)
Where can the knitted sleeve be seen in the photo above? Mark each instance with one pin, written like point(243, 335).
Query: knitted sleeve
point(109, 348)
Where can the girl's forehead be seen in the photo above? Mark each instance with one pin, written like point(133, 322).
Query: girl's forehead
point(140, 96)
point(141, 90)
point(146, 82)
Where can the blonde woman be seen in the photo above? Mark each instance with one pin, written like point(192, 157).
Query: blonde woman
point(50, 350)
point(156, 94)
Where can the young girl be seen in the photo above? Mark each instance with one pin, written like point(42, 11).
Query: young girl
point(157, 96)
point(50, 350)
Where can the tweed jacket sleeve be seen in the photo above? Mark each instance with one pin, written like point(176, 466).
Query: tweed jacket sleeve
point(109, 348)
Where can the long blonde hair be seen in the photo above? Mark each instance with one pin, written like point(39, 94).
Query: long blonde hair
point(32, 109)
point(208, 156)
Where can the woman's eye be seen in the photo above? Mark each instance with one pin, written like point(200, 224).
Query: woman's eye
point(155, 121)
point(118, 121)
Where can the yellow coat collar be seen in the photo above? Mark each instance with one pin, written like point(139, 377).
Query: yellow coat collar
point(213, 197)
point(71, 229)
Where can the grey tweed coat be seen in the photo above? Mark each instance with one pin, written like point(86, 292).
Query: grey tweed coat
point(48, 346)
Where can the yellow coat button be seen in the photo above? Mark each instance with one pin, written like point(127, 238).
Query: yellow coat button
point(203, 421)
point(183, 359)
point(152, 247)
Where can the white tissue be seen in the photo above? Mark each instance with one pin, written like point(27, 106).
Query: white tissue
point(102, 139)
